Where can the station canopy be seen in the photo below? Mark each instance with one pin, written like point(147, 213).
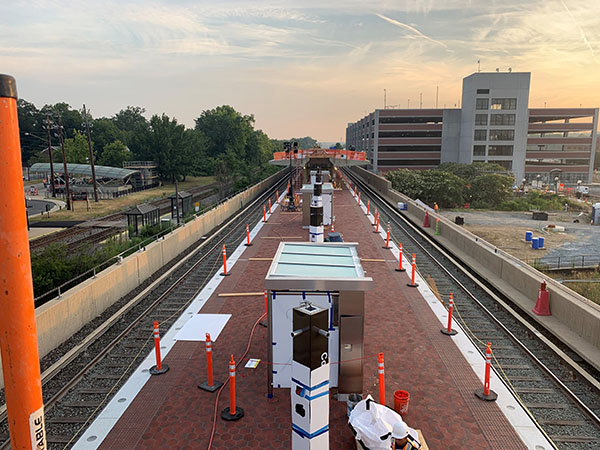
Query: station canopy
point(86, 170)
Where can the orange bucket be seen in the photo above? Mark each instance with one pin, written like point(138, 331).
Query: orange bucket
point(401, 399)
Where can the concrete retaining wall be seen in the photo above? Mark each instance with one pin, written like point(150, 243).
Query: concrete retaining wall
point(575, 319)
point(62, 317)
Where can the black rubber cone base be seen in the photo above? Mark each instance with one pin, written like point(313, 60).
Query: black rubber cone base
point(154, 370)
point(452, 332)
point(492, 397)
point(226, 415)
point(400, 270)
point(205, 387)
point(387, 247)
point(375, 231)
point(223, 274)
point(248, 245)
point(412, 285)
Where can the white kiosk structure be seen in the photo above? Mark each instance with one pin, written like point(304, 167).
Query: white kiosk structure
point(329, 278)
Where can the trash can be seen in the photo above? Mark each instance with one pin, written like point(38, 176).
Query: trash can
point(540, 242)
point(535, 243)
point(459, 220)
point(528, 236)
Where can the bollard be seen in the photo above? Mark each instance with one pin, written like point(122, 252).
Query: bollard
point(227, 413)
point(376, 224)
point(266, 321)
point(224, 273)
point(19, 341)
point(387, 239)
point(248, 243)
point(358, 202)
point(485, 393)
point(413, 275)
point(264, 213)
point(269, 206)
point(400, 268)
point(332, 228)
point(381, 371)
point(449, 331)
point(277, 196)
point(210, 385)
point(159, 368)
point(437, 230)
point(368, 206)
point(355, 190)
point(375, 217)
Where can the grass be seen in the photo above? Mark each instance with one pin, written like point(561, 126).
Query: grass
point(106, 207)
point(588, 290)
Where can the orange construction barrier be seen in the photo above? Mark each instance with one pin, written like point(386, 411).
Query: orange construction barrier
point(387, 239)
point(542, 305)
point(224, 273)
point(400, 268)
point(449, 331)
point(414, 269)
point(248, 243)
point(159, 368)
point(381, 372)
point(232, 412)
point(426, 221)
point(485, 393)
point(210, 385)
point(19, 343)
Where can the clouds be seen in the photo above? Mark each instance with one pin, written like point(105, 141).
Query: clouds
point(337, 52)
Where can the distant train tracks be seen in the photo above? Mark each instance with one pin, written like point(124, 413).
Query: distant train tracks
point(79, 384)
point(560, 395)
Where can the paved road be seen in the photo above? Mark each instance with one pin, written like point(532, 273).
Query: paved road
point(38, 206)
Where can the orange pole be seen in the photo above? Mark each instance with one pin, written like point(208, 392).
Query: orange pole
point(232, 385)
point(264, 213)
point(413, 275)
point(157, 345)
point(266, 304)
point(269, 206)
point(400, 268)
point(18, 332)
point(381, 371)
point(224, 260)
point(368, 206)
point(488, 364)
point(450, 308)
point(358, 199)
point(375, 217)
point(387, 239)
point(247, 235)
point(209, 362)
point(355, 190)
point(377, 224)
point(277, 196)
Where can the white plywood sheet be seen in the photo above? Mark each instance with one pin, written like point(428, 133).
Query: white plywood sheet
point(196, 328)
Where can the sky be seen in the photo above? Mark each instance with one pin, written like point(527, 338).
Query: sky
point(300, 67)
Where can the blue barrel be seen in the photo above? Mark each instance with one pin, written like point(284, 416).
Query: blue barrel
point(535, 243)
point(528, 236)
point(540, 242)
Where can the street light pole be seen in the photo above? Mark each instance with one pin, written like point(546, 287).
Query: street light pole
point(66, 172)
point(50, 154)
point(89, 139)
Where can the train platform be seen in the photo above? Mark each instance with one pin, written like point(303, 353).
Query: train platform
point(441, 373)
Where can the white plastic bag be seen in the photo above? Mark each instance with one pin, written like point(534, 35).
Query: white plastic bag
point(373, 424)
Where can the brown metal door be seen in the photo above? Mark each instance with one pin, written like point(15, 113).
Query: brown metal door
point(351, 348)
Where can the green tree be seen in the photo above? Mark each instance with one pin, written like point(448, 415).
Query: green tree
point(104, 132)
point(31, 130)
point(490, 190)
point(114, 154)
point(429, 186)
point(134, 127)
point(470, 171)
point(76, 149)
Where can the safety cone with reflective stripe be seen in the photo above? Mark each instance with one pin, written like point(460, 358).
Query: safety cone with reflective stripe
point(232, 412)
point(413, 283)
point(485, 393)
point(387, 239)
point(448, 330)
point(248, 243)
point(159, 368)
point(400, 268)
point(210, 385)
point(224, 273)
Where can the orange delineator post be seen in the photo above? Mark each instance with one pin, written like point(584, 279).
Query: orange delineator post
point(18, 331)
point(232, 412)
point(264, 213)
point(400, 268)
point(248, 243)
point(159, 368)
point(486, 393)
point(225, 273)
point(449, 331)
point(377, 224)
point(277, 196)
point(413, 275)
point(358, 202)
point(266, 304)
point(375, 217)
point(269, 205)
point(368, 206)
point(387, 238)
point(381, 371)
point(355, 190)
point(210, 385)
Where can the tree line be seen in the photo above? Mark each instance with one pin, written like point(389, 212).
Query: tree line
point(223, 141)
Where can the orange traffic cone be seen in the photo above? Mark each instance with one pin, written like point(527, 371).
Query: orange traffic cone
point(426, 221)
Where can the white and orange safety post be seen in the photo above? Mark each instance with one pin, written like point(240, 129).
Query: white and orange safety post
point(211, 385)
point(248, 243)
point(414, 270)
point(332, 227)
point(375, 217)
point(485, 393)
point(358, 200)
point(224, 273)
point(400, 268)
point(277, 196)
point(368, 206)
point(269, 205)
point(264, 213)
point(448, 330)
point(232, 412)
point(355, 190)
point(381, 373)
point(159, 368)
point(387, 237)
point(376, 224)
point(19, 343)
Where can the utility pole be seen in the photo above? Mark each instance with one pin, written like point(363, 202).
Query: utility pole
point(87, 126)
point(50, 154)
point(64, 155)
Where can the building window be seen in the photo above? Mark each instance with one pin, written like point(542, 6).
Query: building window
point(483, 91)
point(501, 135)
point(479, 150)
point(480, 135)
point(482, 103)
point(504, 103)
point(481, 119)
point(502, 119)
point(506, 164)
point(500, 150)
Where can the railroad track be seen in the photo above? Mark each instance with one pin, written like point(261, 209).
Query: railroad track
point(78, 386)
point(560, 393)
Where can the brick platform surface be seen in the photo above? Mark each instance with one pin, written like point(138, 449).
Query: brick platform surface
point(171, 412)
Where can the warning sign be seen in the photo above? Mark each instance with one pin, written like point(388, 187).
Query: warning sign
point(37, 430)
